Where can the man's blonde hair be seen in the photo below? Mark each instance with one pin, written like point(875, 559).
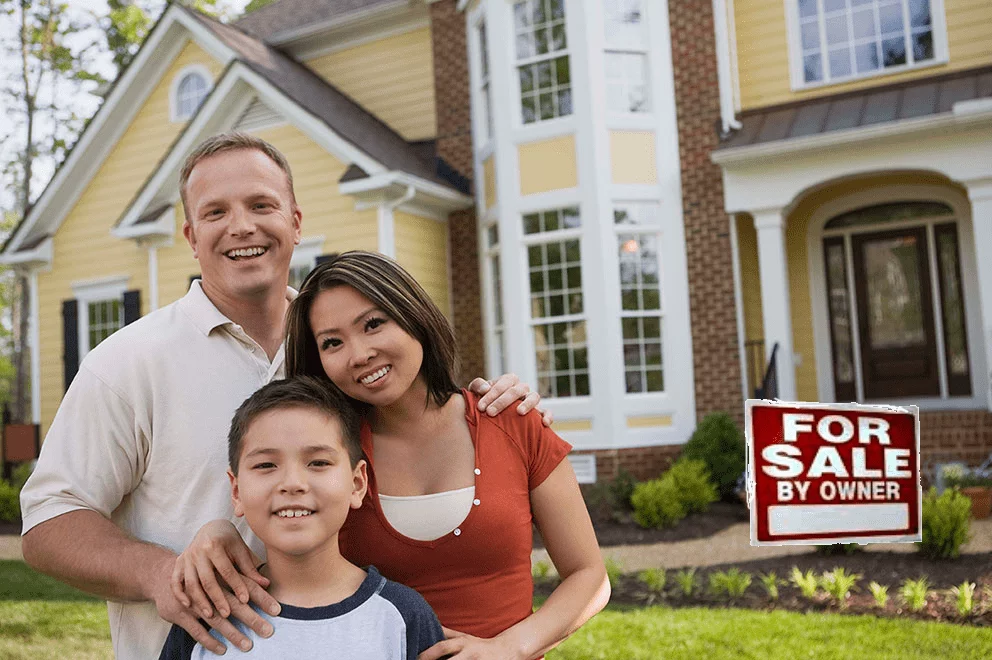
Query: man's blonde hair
point(234, 141)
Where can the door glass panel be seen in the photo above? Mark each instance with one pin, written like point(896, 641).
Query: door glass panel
point(895, 307)
point(953, 304)
point(840, 313)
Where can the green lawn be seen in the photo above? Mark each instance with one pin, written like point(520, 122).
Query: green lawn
point(41, 618)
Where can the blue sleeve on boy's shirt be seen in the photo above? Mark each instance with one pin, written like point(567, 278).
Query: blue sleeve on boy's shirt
point(423, 629)
point(178, 645)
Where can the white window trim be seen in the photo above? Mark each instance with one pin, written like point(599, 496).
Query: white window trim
point(797, 80)
point(969, 287)
point(518, 114)
point(643, 50)
point(199, 69)
point(307, 251)
point(91, 291)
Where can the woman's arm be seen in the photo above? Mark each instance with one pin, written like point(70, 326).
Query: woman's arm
point(562, 517)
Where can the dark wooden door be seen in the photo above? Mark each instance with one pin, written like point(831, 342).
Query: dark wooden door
point(895, 314)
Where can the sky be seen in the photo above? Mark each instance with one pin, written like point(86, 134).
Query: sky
point(82, 10)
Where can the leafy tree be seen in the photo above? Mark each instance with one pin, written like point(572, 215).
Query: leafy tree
point(257, 4)
point(127, 24)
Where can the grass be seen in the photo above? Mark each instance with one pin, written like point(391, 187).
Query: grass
point(41, 618)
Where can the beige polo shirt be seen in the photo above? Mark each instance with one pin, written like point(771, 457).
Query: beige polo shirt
point(141, 437)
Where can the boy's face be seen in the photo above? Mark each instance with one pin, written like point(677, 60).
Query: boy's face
point(295, 484)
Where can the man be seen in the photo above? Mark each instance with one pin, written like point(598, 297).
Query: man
point(135, 459)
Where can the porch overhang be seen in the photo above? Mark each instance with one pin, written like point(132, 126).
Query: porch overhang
point(412, 193)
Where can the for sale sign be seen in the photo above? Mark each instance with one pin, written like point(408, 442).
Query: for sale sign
point(833, 473)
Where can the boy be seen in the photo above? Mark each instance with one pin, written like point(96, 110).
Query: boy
point(296, 469)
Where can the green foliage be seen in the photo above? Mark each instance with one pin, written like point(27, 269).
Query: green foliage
point(732, 582)
point(622, 489)
point(539, 571)
point(127, 25)
point(684, 489)
point(687, 581)
point(964, 597)
point(880, 593)
point(913, 593)
point(838, 583)
point(654, 579)
point(692, 480)
point(807, 582)
point(255, 5)
point(10, 505)
point(946, 521)
point(20, 475)
point(720, 444)
point(614, 571)
point(770, 582)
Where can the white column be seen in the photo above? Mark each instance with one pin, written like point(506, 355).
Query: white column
point(775, 308)
point(35, 344)
point(387, 222)
point(980, 195)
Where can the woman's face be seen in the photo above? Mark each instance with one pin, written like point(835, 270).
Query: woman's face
point(363, 351)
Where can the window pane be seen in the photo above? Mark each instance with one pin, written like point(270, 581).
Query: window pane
point(919, 13)
point(807, 8)
point(923, 46)
point(840, 63)
point(890, 18)
point(840, 315)
point(812, 68)
point(837, 30)
point(864, 24)
point(894, 52)
point(811, 35)
point(952, 300)
point(893, 285)
point(561, 359)
point(642, 354)
point(867, 57)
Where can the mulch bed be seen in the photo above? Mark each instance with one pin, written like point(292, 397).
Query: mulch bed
point(10, 528)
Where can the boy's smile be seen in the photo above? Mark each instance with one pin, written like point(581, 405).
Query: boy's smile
point(295, 484)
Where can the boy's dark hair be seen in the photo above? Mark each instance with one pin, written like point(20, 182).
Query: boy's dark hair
point(298, 392)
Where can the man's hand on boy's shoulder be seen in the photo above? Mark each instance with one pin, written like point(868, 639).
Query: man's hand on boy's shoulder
point(500, 394)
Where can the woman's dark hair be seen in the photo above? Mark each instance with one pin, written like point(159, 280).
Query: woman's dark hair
point(394, 291)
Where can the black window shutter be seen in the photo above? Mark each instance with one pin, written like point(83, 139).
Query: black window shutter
point(326, 257)
point(70, 340)
point(191, 278)
point(132, 306)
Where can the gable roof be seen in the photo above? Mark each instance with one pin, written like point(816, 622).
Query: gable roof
point(285, 17)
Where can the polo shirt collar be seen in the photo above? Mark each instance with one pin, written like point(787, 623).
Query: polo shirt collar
point(204, 314)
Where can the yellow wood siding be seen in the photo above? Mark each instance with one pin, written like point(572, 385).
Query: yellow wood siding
point(422, 248)
point(633, 157)
point(763, 51)
point(548, 165)
point(392, 78)
point(84, 248)
point(489, 181)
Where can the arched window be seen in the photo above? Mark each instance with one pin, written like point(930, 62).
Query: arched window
point(189, 89)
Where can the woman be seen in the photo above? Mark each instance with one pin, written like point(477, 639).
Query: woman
point(452, 493)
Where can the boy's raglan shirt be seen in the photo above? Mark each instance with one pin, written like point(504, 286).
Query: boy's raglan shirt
point(383, 620)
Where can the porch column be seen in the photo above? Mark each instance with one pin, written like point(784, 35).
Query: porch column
point(980, 195)
point(775, 309)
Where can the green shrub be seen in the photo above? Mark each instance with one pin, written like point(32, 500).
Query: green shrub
point(732, 582)
point(770, 582)
point(946, 520)
point(807, 582)
point(10, 504)
point(654, 579)
point(539, 571)
point(914, 593)
point(20, 475)
point(614, 571)
point(657, 503)
point(880, 593)
point(964, 597)
point(692, 481)
point(687, 581)
point(720, 444)
point(838, 583)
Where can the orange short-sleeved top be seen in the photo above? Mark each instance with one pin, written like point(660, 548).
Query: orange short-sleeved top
point(477, 577)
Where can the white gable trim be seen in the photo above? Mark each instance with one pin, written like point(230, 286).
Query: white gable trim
point(236, 91)
point(170, 35)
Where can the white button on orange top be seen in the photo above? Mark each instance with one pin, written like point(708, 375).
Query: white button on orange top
point(458, 531)
point(476, 502)
point(478, 471)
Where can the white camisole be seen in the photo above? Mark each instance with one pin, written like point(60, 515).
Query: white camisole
point(427, 517)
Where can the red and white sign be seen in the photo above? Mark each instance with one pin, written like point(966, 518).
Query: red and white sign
point(833, 473)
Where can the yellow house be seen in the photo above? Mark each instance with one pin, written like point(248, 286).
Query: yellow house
point(857, 170)
point(564, 264)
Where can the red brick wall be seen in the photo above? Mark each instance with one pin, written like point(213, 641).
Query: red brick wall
point(454, 145)
point(642, 462)
point(716, 359)
point(954, 436)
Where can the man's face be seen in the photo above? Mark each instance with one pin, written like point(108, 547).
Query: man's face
point(295, 484)
point(242, 223)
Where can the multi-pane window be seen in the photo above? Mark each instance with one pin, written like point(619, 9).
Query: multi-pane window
point(842, 39)
point(105, 317)
point(557, 307)
point(638, 231)
point(626, 56)
point(298, 273)
point(542, 60)
point(485, 92)
point(190, 94)
point(499, 330)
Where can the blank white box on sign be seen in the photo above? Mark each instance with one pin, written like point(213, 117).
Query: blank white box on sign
point(585, 468)
point(836, 518)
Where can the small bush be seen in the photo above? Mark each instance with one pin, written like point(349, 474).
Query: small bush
point(770, 582)
point(687, 581)
point(880, 593)
point(732, 582)
point(657, 503)
point(614, 571)
point(914, 593)
point(838, 583)
point(539, 571)
point(622, 489)
point(720, 444)
point(20, 475)
point(10, 502)
point(964, 597)
point(692, 480)
point(807, 582)
point(946, 520)
point(654, 579)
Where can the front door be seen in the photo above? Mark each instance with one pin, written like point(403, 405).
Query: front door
point(895, 314)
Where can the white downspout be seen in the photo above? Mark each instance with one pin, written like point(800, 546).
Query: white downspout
point(387, 226)
point(34, 339)
point(724, 66)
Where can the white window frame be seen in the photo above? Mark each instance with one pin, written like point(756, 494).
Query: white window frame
point(195, 69)
point(494, 296)
point(95, 291)
point(796, 72)
point(306, 253)
point(484, 89)
point(654, 228)
point(640, 50)
point(535, 59)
